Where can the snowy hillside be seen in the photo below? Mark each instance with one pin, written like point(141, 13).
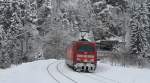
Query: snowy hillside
point(55, 71)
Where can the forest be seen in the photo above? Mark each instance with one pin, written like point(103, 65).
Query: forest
point(41, 29)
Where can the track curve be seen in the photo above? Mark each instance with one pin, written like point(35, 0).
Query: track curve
point(58, 68)
point(60, 72)
point(56, 73)
point(96, 78)
point(80, 76)
point(50, 74)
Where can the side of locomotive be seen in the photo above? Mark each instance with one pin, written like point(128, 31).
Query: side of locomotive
point(82, 56)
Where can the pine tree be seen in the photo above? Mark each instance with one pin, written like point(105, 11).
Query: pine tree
point(139, 27)
point(148, 15)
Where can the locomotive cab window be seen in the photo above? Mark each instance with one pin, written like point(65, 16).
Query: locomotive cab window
point(86, 48)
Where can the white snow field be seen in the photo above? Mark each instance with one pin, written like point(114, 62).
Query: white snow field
point(55, 71)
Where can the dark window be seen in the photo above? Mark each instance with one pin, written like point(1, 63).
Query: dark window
point(86, 48)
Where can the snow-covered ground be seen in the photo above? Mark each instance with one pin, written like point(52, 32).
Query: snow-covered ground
point(55, 71)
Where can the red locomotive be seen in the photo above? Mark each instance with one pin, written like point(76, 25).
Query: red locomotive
point(82, 56)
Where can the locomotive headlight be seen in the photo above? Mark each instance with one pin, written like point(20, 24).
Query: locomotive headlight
point(78, 59)
point(85, 60)
point(92, 60)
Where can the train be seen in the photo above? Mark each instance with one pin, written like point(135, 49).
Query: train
point(82, 56)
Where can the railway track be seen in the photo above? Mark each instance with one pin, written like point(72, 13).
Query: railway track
point(50, 74)
point(59, 69)
point(87, 76)
point(60, 73)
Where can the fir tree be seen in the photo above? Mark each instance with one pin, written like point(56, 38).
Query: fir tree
point(148, 15)
point(139, 28)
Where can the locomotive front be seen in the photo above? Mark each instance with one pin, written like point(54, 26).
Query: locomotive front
point(85, 56)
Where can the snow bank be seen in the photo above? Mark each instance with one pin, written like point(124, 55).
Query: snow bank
point(35, 72)
point(123, 74)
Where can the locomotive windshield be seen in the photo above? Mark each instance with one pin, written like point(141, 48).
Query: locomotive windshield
point(86, 48)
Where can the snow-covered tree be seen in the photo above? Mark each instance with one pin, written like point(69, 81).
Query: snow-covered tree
point(139, 27)
point(110, 16)
point(148, 15)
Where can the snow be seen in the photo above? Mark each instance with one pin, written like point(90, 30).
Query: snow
point(99, 2)
point(36, 72)
point(108, 8)
point(120, 39)
point(71, 3)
